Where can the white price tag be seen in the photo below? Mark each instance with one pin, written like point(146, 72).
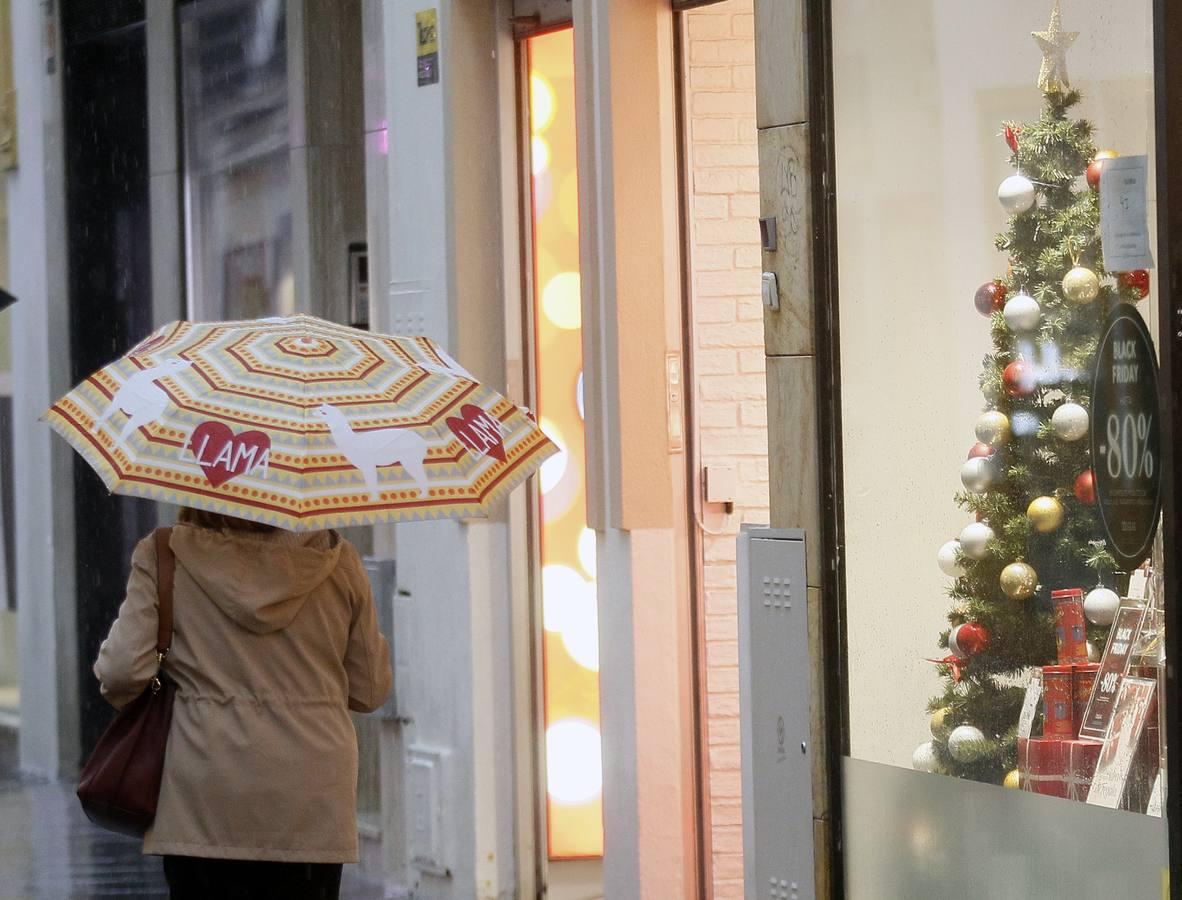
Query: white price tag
point(1137, 584)
point(1124, 220)
point(1030, 704)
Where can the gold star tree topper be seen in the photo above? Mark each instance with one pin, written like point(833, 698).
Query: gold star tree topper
point(1054, 43)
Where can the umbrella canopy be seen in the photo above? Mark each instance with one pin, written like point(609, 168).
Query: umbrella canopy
point(300, 423)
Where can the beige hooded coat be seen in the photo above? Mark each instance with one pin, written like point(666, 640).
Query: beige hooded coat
point(275, 639)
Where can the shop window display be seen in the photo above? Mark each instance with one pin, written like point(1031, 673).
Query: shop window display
point(1043, 612)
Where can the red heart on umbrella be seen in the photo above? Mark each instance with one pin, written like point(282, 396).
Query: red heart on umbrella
point(223, 455)
point(478, 431)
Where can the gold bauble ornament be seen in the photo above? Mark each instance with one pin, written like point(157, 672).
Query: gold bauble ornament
point(1012, 780)
point(1081, 285)
point(939, 725)
point(1045, 514)
point(1018, 581)
point(993, 428)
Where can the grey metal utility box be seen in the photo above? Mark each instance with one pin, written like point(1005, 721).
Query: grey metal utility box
point(774, 715)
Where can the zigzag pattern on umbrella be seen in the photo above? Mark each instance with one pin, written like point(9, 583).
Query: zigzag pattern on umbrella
point(299, 422)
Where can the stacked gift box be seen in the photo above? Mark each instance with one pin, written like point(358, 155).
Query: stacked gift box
point(1060, 764)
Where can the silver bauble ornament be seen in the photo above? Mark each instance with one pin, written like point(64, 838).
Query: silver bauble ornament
point(947, 558)
point(1022, 312)
point(1070, 421)
point(977, 474)
point(967, 743)
point(993, 428)
point(1081, 285)
point(1016, 194)
point(974, 540)
point(1100, 605)
point(924, 758)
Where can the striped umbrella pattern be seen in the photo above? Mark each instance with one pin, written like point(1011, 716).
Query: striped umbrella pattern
point(300, 423)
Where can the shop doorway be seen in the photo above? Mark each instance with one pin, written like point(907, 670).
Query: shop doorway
point(570, 775)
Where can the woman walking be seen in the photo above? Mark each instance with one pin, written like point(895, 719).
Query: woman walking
point(275, 639)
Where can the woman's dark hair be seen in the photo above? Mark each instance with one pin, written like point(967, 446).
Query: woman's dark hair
point(219, 521)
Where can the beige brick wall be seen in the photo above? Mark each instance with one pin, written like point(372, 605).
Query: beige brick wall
point(730, 395)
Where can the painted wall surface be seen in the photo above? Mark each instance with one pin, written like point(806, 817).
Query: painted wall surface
point(921, 90)
point(730, 392)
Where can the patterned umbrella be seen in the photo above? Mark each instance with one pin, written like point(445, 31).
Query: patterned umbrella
point(299, 423)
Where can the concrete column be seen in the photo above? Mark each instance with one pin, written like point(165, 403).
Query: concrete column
point(443, 277)
point(631, 320)
point(40, 341)
point(786, 179)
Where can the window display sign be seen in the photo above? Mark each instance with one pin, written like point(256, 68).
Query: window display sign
point(1124, 223)
point(1121, 640)
point(1120, 746)
point(1126, 436)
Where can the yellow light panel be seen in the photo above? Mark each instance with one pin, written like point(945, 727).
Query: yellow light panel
point(570, 647)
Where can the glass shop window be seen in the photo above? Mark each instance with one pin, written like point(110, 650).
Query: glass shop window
point(995, 169)
point(237, 185)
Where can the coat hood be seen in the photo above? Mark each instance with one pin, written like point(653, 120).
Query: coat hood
point(260, 580)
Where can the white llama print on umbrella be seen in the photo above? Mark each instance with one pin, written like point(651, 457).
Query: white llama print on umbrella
point(367, 451)
point(141, 398)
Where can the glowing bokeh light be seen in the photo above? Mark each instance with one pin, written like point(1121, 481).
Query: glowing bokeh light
point(541, 103)
point(563, 589)
point(539, 155)
point(580, 630)
point(587, 551)
point(574, 762)
point(562, 301)
point(554, 468)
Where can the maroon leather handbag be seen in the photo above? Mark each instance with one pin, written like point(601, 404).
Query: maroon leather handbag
point(120, 783)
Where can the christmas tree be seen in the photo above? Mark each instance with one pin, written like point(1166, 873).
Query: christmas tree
point(1028, 479)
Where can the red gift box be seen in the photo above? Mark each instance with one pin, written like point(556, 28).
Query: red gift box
point(1042, 765)
point(1058, 703)
point(1082, 757)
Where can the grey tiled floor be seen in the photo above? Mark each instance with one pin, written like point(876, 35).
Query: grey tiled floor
point(49, 851)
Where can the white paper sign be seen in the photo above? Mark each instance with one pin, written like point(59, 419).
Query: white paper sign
point(1154, 807)
point(1124, 220)
point(1030, 704)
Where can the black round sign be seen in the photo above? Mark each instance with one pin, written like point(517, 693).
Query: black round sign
point(1126, 436)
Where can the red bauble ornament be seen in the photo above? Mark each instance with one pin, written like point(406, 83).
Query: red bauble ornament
point(1011, 134)
point(1019, 378)
point(1138, 279)
point(1094, 168)
point(980, 450)
point(990, 297)
point(1085, 487)
point(968, 640)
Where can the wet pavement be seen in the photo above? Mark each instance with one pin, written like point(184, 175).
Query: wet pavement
point(49, 851)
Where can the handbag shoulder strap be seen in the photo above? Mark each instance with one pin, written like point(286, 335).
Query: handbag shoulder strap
point(165, 569)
